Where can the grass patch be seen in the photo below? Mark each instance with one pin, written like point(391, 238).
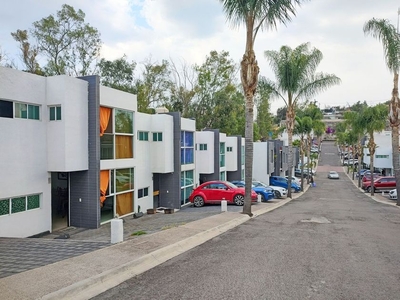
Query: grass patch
point(139, 232)
point(172, 226)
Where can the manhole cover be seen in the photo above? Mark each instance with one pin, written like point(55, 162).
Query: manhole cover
point(320, 220)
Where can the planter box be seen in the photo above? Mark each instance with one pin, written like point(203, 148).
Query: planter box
point(151, 211)
point(169, 211)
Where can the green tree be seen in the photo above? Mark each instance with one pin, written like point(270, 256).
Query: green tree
point(264, 118)
point(153, 86)
point(117, 74)
point(303, 126)
point(296, 79)
point(374, 120)
point(29, 53)
point(70, 44)
point(255, 15)
point(388, 35)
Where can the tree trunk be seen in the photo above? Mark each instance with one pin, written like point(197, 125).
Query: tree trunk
point(309, 158)
point(302, 162)
point(249, 78)
point(394, 109)
point(354, 152)
point(371, 147)
point(290, 117)
point(360, 156)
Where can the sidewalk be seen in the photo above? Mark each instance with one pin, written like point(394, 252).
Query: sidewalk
point(87, 275)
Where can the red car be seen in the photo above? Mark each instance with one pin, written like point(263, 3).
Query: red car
point(215, 191)
point(367, 177)
point(381, 184)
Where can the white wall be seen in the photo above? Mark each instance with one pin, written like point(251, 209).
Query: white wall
point(232, 157)
point(67, 139)
point(260, 162)
point(205, 159)
point(162, 153)
point(23, 158)
point(384, 141)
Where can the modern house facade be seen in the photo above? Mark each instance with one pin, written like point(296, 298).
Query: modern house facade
point(75, 153)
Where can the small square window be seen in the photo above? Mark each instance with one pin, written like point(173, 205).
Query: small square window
point(55, 113)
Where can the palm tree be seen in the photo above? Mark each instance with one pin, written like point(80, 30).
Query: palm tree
point(296, 79)
point(256, 15)
point(388, 35)
point(302, 127)
point(374, 120)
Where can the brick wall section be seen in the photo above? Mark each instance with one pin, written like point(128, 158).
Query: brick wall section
point(85, 185)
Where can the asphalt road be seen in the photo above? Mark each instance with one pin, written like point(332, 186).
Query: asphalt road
point(334, 242)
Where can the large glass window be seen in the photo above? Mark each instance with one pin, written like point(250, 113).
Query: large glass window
point(187, 147)
point(222, 154)
point(118, 192)
point(26, 111)
point(117, 139)
point(187, 184)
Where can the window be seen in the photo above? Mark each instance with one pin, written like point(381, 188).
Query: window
point(187, 184)
point(26, 111)
point(117, 139)
point(242, 156)
point(55, 113)
point(19, 204)
point(222, 154)
point(157, 136)
point(187, 147)
point(143, 192)
point(6, 109)
point(229, 149)
point(143, 135)
point(203, 147)
point(222, 176)
point(118, 190)
point(381, 156)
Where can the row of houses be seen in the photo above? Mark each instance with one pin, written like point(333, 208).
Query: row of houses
point(75, 153)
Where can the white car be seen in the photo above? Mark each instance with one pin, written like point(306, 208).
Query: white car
point(333, 175)
point(393, 194)
point(279, 192)
point(295, 179)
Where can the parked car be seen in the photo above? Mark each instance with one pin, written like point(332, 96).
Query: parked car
point(350, 162)
point(266, 193)
point(393, 194)
point(333, 175)
point(367, 177)
point(297, 172)
point(283, 182)
point(361, 172)
point(213, 192)
point(279, 192)
point(295, 179)
point(385, 183)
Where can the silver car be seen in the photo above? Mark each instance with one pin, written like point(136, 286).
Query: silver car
point(393, 194)
point(333, 175)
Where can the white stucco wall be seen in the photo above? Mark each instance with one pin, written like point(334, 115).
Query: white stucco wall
point(232, 157)
point(162, 153)
point(260, 161)
point(384, 142)
point(205, 159)
point(23, 158)
point(68, 138)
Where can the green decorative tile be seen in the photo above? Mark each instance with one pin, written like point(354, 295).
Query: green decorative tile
point(18, 204)
point(33, 201)
point(4, 207)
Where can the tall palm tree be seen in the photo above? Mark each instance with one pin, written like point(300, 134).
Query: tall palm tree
point(256, 15)
point(374, 119)
point(296, 80)
point(302, 127)
point(388, 35)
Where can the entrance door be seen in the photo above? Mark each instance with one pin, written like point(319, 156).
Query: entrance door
point(59, 200)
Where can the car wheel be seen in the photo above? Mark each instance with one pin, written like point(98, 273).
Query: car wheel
point(294, 190)
point(369, 189)
point(239, 200)
point(198, 201)
point(277, 194)
point(262, 197)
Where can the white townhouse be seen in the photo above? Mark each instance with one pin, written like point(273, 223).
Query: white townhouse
point(75, 153)
point(263, 160)
point(383, 158)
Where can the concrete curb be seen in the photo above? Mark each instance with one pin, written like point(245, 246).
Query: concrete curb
point(100, 283)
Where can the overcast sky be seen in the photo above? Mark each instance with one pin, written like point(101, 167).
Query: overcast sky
point(187, 30)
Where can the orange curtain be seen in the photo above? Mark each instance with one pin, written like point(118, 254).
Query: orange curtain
point(104, 179)
point(124, 203)
point(105, 114)
point(123, 146)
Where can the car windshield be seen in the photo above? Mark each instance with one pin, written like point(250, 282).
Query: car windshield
point(259, 183)
point(231, 185)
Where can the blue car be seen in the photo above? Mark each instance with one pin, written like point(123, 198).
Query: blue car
point(266, 192)
point(283, 182)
